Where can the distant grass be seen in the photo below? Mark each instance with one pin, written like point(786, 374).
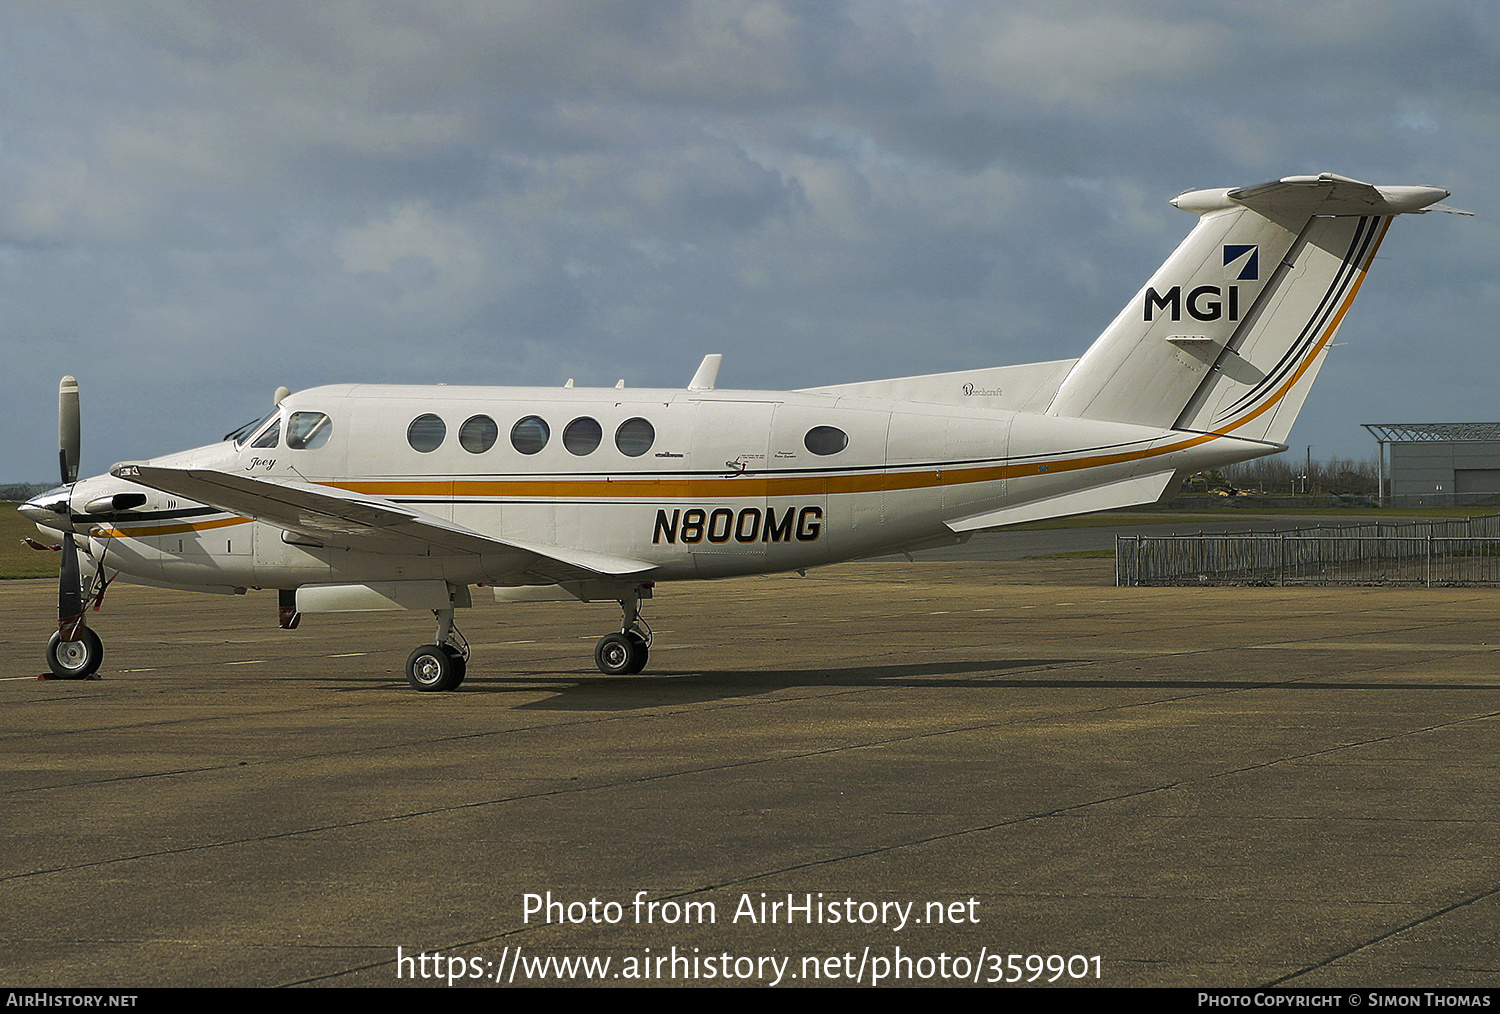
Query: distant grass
point(17, 560)
point(1351, 515)
point(1105, 519)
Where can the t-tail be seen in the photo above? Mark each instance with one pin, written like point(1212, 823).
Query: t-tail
point(1229, 334)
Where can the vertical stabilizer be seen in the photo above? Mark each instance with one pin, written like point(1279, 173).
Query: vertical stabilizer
point(1229, 333)
point(1262, 377)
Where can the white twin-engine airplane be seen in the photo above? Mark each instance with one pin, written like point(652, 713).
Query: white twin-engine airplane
point(363, 497)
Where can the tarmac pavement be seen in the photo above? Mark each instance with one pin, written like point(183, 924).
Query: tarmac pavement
point(909, 770)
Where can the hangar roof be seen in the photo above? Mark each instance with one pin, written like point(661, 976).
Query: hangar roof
point(1412, 432)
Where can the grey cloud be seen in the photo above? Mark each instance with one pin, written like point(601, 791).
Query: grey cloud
point(199, 201)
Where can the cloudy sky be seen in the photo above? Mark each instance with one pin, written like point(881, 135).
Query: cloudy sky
point(201, 201)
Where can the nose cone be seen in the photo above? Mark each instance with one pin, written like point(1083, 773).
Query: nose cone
point(50, 509)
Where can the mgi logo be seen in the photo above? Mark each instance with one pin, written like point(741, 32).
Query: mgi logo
point(1210, 302)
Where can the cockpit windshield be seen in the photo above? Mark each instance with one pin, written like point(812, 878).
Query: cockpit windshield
point(270, 436)
point(242, 434)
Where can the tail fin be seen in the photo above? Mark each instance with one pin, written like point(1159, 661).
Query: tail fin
point(1230, 332)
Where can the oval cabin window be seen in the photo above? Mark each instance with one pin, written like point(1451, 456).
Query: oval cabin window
point(478, 434)
point(826, 440)
point(426, 433)
point(530, 435)
point(582, 435)
point(635, 437)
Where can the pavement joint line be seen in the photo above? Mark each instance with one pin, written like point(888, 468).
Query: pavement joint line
point(1373, 646)
point(943, 836)
point(1355, 744)
point(1412, 924)
point(124, 778)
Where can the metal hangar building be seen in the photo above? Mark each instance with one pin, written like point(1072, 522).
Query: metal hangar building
point(1438, 464)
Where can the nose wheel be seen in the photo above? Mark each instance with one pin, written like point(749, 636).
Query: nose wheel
point(75, 660)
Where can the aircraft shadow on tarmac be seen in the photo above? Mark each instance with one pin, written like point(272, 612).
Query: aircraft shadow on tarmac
point(595, 693)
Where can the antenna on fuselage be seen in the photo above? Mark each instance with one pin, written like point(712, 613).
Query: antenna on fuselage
point(708, 373)
point(569, 383)
point(620, 383)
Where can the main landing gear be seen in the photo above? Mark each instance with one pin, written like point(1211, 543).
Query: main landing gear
point(625, 653)
point(442, 665)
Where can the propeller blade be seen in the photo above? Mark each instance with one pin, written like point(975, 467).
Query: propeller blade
point(68, 429)
point(69, 579)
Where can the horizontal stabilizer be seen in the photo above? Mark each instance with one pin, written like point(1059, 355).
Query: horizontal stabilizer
point(1132, 492)
point(1324, 194)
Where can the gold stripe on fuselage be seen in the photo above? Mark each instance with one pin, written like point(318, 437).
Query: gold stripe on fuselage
point(148, 531)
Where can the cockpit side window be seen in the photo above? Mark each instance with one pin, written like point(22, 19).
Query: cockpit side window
point(270, 436)
point(307, 431)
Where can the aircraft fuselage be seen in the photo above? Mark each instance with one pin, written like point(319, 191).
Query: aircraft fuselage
point(726, 482)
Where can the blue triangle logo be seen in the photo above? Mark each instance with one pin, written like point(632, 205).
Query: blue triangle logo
point(1251, 269)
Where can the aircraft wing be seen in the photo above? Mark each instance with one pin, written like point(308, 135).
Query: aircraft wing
point(336, 517)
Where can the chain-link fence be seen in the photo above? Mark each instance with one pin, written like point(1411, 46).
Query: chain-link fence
point(1426, 553)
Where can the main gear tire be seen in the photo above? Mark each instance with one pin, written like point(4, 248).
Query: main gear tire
point(620, 654)
point(431, 668)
